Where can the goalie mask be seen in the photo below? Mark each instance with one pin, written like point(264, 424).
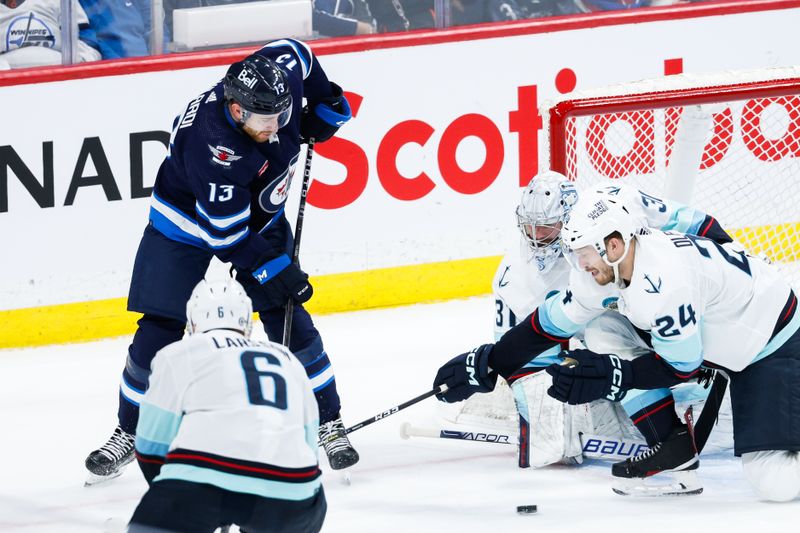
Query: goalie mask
point(596, 216)
point(220, 304)
point(544, 206)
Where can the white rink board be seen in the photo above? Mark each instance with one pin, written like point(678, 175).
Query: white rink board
point(85, 251)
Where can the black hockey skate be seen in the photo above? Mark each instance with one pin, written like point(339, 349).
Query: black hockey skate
point(676, 455)
point(110, 459)
point(333, 439)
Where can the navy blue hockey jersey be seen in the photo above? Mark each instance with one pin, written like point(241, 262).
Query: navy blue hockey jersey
point(221, 190)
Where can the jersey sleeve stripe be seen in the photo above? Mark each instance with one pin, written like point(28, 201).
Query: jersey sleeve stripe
point(227, 242)
point(156, 429)
point(555, 321)
point(301, 51)
point(685, 355)
point(685, 220)
point(223, 223)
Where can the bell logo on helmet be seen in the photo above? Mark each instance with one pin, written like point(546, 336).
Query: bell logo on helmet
point(248, 78)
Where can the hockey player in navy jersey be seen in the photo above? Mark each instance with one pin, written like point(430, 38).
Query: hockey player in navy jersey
point(227, 430)
point(702, 303)
point(221, 192)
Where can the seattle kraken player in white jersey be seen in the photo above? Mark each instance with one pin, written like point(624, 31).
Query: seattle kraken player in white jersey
point(536, 269)
point(703, 303)
point(227, 430)
point(221, 192)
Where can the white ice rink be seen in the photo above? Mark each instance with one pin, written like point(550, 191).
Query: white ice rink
point(58, 403)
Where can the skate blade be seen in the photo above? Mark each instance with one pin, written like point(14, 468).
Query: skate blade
point(94, 479)
point(685, 483)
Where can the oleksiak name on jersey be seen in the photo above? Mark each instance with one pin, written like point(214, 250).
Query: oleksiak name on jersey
point(217, 188)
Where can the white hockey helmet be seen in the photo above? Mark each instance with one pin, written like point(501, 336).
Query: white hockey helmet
point(219, 304)
point(541, 212)
point(593, 218)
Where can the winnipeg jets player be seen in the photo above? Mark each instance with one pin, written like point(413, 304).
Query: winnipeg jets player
point(227, 430)
point(528, 274)
point(700, 301)
point(221, 192)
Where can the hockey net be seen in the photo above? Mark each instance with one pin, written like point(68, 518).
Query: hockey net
point(727, 144)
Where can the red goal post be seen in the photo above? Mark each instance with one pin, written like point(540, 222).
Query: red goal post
point(726, 143)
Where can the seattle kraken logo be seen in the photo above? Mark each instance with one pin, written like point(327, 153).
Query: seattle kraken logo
point(656, 288)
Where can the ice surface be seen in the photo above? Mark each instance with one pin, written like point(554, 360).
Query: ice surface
point(58, 403)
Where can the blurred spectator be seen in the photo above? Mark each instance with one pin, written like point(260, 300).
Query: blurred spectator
point(389, 15)
point(332, 18)
point(547, 8)
point(122, 27)
point(32, 34)
point(475, 11)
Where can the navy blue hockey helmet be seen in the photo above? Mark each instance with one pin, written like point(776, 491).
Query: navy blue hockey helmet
point(259, 86)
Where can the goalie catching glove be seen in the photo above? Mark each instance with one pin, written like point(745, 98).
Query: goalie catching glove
point(585, 376)
point(465, 375)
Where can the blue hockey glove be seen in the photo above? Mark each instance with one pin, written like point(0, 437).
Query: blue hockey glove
point(585, 376)
point(327, 116)
point(282, 279)
point(465, 375)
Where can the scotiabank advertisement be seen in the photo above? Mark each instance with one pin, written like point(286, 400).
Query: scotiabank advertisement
point(445, 133)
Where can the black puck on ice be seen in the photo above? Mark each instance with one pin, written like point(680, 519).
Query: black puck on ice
point(526, 509)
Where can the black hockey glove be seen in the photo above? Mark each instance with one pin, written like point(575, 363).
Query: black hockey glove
point(281, 279)
point(326, 117)
point(465, 375)
point(585, 376)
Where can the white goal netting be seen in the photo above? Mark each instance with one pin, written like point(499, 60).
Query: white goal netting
point(728, 144)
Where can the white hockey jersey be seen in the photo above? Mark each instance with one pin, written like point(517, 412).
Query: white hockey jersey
point(32, 33)
point(519, 287)
point(234, 413)
point(699, 300)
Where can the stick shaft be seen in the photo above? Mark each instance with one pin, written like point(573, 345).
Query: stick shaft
point(396, 409)
point(298, 232)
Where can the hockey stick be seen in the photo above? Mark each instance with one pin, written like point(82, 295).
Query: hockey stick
point(298, 231)
point(407, 431)
point(708, 416)
point(396, 409)
point(593, 446)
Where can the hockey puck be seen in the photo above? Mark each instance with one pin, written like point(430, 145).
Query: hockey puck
point(526, 509)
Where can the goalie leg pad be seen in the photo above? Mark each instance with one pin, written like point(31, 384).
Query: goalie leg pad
point(543, 437)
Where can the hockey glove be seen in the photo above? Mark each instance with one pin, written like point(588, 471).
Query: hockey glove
point(282, 280)
point(326, 117)
point(585, 376)
point(465, 375)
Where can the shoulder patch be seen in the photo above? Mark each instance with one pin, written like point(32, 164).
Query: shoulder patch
point(222, 155)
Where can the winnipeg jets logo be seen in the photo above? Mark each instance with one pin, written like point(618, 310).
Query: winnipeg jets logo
point(274, 195)
point(223, 156)
point(656, 288)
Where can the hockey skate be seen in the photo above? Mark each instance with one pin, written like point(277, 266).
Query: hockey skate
point(333, 438)
point(676, 456)
point(110, 459)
